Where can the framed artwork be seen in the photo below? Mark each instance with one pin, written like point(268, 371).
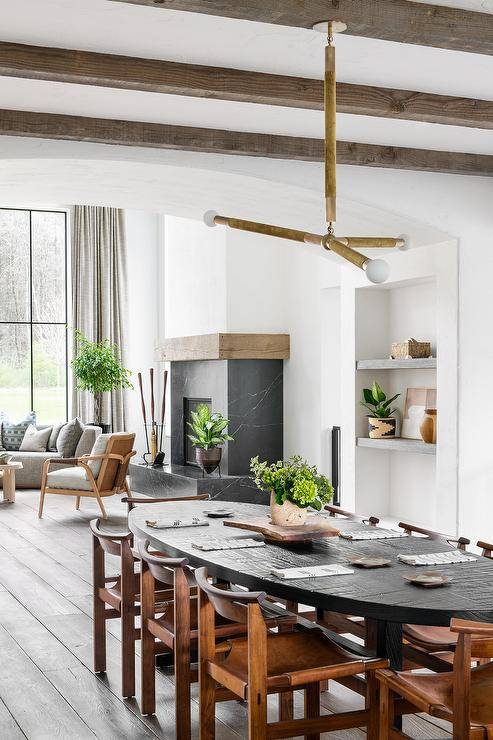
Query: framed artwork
point(417, 400)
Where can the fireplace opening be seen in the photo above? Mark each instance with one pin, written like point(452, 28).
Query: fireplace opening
point(189, 405)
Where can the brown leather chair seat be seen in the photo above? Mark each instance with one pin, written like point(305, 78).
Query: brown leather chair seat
point(291, 657)
point(434, 639)
point(433, 694)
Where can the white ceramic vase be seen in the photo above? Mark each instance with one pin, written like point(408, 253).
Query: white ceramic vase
point(286, 514)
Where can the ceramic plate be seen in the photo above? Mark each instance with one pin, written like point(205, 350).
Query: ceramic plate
point(428, 579)
point(368, 561)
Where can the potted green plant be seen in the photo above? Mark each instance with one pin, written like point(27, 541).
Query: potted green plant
point(294, 486)
point(208, 434)
point(97, 369)
point(381, 423)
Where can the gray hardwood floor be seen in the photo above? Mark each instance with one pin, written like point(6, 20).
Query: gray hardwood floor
point(47, 687)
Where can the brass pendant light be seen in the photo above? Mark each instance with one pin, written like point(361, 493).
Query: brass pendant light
point(377, 270)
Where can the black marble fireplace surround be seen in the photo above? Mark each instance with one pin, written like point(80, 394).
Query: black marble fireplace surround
point(248, 392)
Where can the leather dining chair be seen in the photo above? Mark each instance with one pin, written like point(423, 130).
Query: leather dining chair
point(173, 627)
point(433, 647)
point(346, 623)
point(263, 662)
point(462, 696)
point(118, 596)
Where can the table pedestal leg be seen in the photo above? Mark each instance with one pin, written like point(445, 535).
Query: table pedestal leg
point(385, 638)
point(9, 486)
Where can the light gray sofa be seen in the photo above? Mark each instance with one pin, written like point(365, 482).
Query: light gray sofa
point(32, 462)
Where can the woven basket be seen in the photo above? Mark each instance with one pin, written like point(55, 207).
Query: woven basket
point(410, 349)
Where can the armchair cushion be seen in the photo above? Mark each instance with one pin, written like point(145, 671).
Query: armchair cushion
point(98, 448)
point(72, 478)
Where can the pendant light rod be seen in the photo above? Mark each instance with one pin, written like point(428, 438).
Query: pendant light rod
point(330, 129)
point(369, 242)
point(377, 270)
point(372, 242)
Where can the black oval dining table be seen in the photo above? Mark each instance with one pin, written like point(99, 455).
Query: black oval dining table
point(381, 595)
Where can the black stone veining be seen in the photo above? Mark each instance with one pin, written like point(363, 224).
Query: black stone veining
point(185, 480)
point(248, 392)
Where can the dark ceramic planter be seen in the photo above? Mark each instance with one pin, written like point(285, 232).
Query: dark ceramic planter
point(208, 460)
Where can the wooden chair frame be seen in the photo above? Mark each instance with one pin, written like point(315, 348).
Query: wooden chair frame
point(411, 529)
point(109, 481)
point(345, 623)
point(131, 501)
point(174, 573)
point(219, 684)
point(475, 640)
point(114, 597)
point(421, 651)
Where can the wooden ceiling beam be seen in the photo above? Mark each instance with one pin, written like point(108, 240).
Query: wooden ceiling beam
point(404, 21)
point(194, 80)
point(217, 141)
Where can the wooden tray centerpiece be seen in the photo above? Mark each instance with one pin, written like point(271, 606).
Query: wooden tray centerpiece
point(314, 528)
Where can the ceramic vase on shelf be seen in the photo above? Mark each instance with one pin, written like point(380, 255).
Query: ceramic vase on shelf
point(208, 460)
point(381, 428)
point(286, 514)
point(428, 426)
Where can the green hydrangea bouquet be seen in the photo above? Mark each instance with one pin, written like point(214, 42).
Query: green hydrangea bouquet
point(293, 480)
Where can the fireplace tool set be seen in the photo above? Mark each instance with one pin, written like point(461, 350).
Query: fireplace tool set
point(154, 430)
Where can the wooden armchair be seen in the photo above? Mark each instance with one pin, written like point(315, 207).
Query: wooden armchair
point(90, 476)
point(433, 647)
point(273, 663)
point(463, 696)
point(346, 623)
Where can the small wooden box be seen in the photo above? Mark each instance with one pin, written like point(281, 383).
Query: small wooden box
point(411, 349)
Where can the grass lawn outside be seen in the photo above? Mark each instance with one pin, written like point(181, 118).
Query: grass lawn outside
point(49, 404)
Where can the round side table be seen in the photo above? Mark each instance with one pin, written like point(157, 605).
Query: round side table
point(8, 474)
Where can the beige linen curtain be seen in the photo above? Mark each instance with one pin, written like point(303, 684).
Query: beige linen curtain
point(99, 280)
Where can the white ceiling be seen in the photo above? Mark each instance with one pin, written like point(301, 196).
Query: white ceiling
point(121, 28)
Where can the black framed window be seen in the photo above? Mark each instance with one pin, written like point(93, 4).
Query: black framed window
point(33, 313)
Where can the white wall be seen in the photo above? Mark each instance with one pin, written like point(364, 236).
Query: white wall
point(429, 208)
point(145, 288)
point(195, 269)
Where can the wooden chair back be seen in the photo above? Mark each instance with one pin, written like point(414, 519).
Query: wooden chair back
point(161, 568)
point(475, 641)
point(411, 529)
point(131, 501)
point(232, 605)
point(336, 511)
point(487, 549)
point(111, 542)
point(114, 467)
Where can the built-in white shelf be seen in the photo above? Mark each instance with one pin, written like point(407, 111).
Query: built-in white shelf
point(398, 444)
point(425, 363)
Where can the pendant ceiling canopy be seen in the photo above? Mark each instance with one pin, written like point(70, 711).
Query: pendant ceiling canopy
point(376, 270)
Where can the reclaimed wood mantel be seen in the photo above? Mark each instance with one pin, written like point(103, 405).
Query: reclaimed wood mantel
point(221, 346)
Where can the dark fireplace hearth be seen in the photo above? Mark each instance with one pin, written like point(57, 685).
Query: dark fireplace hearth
point(240, 375)
point(248, 392)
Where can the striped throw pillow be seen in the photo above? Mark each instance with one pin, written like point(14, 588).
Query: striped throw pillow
point(13, 434)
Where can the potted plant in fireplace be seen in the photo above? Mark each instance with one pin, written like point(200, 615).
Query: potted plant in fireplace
point(381, 423)
point(97, 369)
point(294, 487)
point(208, 436)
